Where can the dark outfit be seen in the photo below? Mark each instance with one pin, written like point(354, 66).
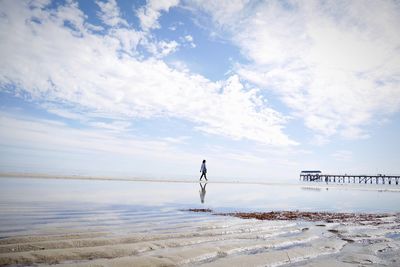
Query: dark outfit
point(203, 171)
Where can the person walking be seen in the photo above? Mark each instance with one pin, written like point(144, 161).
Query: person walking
point(203, 170)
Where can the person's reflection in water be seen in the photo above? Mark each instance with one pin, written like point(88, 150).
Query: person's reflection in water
point(202, 192)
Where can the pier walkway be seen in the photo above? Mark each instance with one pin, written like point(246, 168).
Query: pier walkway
point(317, 176)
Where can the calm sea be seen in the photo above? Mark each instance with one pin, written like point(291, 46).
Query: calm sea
point(28, 203)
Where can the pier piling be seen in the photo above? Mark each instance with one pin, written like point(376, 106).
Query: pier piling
point(317, 176)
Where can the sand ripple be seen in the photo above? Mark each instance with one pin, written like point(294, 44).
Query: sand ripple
point(140, 237)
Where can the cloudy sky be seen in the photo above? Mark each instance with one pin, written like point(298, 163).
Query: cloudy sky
point(261, 89)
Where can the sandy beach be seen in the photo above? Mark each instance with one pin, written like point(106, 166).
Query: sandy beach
point(183, 239)
point(82, 222)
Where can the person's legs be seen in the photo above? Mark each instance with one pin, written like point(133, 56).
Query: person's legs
point(203, 174)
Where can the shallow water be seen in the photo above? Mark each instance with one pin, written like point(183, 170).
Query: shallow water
point(122, 223)
point(218, 196)
point(29, 203)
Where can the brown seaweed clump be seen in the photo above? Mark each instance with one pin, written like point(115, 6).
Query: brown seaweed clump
point(199, 210)
point(308, 216)
point(330, 217)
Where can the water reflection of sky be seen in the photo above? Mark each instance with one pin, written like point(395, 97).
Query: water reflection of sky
point(220, 197)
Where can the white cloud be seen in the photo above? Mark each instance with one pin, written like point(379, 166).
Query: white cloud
point(149, 14)
point(161, 48)
point(334, 63)
point(110, 13)
point(96, 151)
point(129, 39)
point(39, 145)
point(243, 113)
point(115, 126)
point(65, 113)
point(179, 65)
point(40, 3)
point(224, 13)
point(167, 47)
point(189, 39)
point(104, 76)
point(86, 150)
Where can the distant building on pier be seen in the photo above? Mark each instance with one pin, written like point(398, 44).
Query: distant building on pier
point(311, 172)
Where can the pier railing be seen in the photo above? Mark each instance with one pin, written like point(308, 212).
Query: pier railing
point(360, 179)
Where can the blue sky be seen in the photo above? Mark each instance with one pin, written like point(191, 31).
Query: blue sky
point(261, 89)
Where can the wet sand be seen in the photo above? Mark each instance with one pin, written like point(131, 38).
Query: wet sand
point(185, 238)
point(96, 223)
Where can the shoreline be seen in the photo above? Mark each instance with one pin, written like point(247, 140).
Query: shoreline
point(209, 242)
point(40, 233)
point(305, 186)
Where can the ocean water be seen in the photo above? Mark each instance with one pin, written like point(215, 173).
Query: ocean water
point(25, 203)
point(71, 221)
point(217, 196)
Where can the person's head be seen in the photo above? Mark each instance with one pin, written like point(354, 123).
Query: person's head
point(204, 161)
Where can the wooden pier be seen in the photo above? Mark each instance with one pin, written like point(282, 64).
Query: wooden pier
point(317, 176)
